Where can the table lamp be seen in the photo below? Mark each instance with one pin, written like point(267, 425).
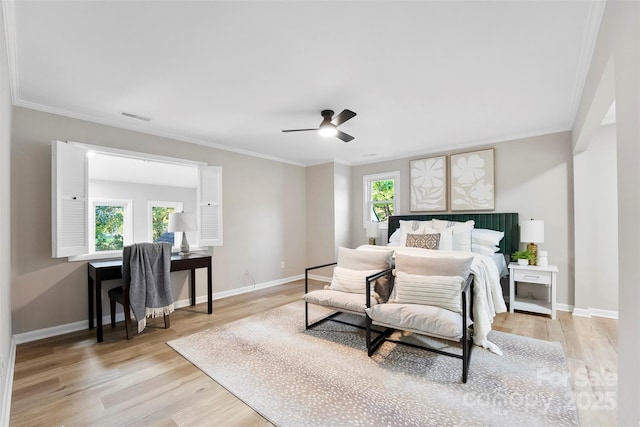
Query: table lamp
point(181, 221)
point(532, 232)
point(373, 231)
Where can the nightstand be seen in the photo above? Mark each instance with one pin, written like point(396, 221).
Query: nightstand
point(543, 276)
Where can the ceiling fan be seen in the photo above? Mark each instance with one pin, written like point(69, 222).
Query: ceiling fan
point(329, 125)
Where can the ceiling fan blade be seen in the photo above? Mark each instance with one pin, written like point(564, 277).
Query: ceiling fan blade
point(344, 136)
point(343, 117)
point(298, 130)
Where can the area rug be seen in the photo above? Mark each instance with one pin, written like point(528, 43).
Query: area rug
point(323, 376)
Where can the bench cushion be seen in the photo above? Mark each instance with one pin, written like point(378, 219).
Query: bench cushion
point(341, 301)
point(421, 319)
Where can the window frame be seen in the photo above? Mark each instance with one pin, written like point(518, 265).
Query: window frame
point(127, 234)
point(177, 206)
point(367, 203)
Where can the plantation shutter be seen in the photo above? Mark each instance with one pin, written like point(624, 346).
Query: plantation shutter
point(69, 210)
point(210, 205)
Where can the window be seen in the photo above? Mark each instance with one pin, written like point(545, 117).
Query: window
point(159, 221)
point(73, 232)
point(380, 196)
point(110, 225)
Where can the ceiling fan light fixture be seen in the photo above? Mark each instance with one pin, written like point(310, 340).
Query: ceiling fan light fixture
point(327, 129)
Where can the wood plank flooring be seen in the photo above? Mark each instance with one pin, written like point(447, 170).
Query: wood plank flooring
point(71, 380)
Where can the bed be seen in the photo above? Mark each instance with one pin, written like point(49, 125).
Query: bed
point(486, 269)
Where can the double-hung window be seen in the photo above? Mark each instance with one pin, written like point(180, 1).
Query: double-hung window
point(381, 197)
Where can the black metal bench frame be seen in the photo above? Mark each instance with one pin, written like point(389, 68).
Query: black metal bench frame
point(467, 331)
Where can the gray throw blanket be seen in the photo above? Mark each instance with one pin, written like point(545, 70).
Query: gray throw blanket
point(145, 271)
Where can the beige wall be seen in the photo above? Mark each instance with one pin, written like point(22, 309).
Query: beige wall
point(532, 178)
point(264, 218)
point(6, 344)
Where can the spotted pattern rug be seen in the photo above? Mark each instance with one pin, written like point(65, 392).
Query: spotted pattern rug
point(323, 376)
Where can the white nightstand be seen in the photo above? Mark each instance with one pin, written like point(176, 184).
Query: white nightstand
point(545, 276)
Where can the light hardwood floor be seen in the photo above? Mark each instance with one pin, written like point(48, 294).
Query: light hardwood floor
point(71, 380)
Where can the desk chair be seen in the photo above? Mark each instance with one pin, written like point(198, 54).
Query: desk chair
point(146, 281)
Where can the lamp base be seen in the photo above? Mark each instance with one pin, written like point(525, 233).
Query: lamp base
point(533, 248)
point(184, 246)
point(372, 240)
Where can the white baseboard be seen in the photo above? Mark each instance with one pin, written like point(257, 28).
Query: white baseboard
point(564, 307)
point(106, 320)
point(595, 312)
point(320, 278)
point(7, 386)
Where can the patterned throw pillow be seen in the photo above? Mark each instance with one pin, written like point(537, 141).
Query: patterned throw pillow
point(425, 241)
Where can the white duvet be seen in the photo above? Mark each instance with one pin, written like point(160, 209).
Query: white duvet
point(487, 292)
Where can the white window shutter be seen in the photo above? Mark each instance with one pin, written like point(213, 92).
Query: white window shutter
point(210, 206)
point(69, 210)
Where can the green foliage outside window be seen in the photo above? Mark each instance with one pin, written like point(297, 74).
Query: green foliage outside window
point(160, 221)
point(382, 197)
point(109, 228)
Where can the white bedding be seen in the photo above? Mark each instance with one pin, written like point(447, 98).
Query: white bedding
point(488, 299)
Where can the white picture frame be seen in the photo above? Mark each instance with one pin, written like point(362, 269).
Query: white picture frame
point(428, 184)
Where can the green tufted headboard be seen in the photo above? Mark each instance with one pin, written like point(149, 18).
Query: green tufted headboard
point(507, 222)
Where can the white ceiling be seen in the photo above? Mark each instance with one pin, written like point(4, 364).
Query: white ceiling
point(423, 76)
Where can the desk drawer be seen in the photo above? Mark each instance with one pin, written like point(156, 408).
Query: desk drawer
point(529, 276)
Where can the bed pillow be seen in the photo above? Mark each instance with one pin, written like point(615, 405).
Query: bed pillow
point(461, 233)
point(395, 236)
point(424, 241)
point(484, 249)
point(348, 280)
point(437, 291)
point(433, 266)
point(362, 259)
point(483, 236)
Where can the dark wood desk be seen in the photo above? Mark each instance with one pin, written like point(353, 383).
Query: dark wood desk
point(112, 269)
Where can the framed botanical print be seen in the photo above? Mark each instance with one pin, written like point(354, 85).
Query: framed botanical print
point(472, 181)
point(429, 184)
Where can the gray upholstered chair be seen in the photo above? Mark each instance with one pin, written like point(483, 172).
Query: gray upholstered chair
point(145, 271)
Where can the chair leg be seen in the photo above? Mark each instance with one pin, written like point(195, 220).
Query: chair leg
point(167, 321)
point(112, 305)
point(127, 321)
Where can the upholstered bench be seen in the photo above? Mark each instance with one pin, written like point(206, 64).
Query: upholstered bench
point(353, 271)
point(431, 297)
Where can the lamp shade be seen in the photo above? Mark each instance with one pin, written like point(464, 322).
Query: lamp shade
point(373, 229)
point(532, 231)
point(182, 221)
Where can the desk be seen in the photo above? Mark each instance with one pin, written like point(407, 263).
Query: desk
point(112, 269)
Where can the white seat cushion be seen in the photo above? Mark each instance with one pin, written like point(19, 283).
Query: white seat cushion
point(342, 301)
point(421, 319)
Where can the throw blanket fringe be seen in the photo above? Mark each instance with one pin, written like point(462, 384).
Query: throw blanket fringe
point(153, 313)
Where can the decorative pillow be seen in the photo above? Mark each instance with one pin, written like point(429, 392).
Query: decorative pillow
point(446, 237)
point(411, 227)
point(461, 233)
point(483, 236)
point(436, 266)
point(352, 281)
point(425, 241)
point(360, 259)
point(374, 260)
point(437, 291)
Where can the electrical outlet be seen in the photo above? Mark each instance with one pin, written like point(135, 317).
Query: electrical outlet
point(281, 264)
